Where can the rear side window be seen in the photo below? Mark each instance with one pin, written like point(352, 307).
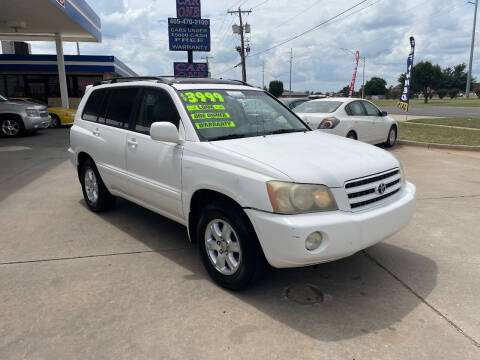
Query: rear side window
point(155, 106)
point(355, 109)
point(94, 104)
point(120, 106)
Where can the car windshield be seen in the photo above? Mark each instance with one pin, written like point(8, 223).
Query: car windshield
point(229, 114)
point(2, 98)
point(318, 107)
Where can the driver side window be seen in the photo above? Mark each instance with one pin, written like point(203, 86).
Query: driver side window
point(155, 106)
point(371, 109)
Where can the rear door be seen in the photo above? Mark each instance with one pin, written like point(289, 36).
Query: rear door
point(378, 125)
point(154, 167)
point(360, 122)
point(109, 136)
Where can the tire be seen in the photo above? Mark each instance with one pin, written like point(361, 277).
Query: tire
point(392, 137)
point(56, 123)
point(352, 135)
point(238, 250)
point(95, 193)
point(11, 127)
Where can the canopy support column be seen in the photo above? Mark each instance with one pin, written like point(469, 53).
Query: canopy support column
point(62, 78)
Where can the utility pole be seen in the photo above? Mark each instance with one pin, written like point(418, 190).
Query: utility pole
point(363, 77)
point(78, 48)
point(291, 60)
point(469, 79)
point(240, 12)
point(263, 74)
point(208, 63)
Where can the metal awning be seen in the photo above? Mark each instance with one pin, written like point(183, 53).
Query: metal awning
point(40, 20)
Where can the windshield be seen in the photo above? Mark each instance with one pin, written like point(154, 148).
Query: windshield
point(318, 107)
point(228, 114)
point(2, 98)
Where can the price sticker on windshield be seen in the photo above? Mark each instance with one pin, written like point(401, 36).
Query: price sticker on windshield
point(202, 116)
point(214, 124)
point(205, 107)
point(202, 97)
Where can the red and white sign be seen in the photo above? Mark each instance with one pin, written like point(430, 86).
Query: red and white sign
point(62, 3)
point(352, 84)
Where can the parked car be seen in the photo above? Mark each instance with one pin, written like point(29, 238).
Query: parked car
point(247, 187)
point(353, 118)
point(292, 103)
point(60, 116)
point(17, 117)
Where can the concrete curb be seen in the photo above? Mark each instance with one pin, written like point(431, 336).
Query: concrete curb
point(439, 146)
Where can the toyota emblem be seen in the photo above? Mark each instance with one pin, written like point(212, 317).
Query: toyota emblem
point(381, 188)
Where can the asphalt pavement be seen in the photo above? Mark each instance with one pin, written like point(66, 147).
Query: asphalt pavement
point(440, 111)
point(127, 284)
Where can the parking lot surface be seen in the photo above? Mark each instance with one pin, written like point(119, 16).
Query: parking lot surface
point(128, 285)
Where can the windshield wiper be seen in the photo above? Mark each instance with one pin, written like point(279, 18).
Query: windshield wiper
point(284, 131)
point(228, 137)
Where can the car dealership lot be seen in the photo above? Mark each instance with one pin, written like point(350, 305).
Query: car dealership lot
point(127, 284)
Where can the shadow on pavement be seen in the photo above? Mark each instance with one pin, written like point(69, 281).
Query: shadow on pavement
point(48, 148)
point(360, 297)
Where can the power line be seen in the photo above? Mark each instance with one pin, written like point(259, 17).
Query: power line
point(303, 33)
point(260, 4)
point(297, 15)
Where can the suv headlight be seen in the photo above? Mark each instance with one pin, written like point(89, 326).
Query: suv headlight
point(291, 198)
point(32, 112)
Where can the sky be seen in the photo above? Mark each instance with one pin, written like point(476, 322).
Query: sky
point(136, 32)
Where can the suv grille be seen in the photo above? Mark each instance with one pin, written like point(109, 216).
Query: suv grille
point(368, 190)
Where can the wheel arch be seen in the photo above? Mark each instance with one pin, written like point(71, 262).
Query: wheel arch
point(81, 158)
point(4, 116)
point(203, 197)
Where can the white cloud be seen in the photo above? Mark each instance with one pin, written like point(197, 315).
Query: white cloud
point(136, 32)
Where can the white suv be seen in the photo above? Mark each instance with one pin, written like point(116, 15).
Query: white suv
point(244, 174)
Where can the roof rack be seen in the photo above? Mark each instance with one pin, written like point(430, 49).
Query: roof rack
point(170, 80)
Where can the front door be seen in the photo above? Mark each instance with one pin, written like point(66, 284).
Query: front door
point(154, 167)
point(362, 124)
point(378, 124)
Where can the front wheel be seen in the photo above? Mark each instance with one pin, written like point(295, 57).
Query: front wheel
point(228, 246)
point(392, 137)
point(55, 123)
point(11, 127)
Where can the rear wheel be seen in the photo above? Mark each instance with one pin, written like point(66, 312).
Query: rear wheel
point(352, 135)
point(95, 193)
point(228, 247)
point(392, 137)
point(11, 127)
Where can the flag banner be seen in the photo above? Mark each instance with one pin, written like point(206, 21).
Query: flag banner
point(354, 77)
point(405, 98)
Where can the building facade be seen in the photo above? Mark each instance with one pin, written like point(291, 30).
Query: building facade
point(36, 76)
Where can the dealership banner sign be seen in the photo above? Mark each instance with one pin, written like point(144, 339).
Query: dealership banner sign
point(190, 9)
point(405, 98)
point(191, 70)
point(354, 77)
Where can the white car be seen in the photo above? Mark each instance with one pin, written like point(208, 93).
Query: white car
point(353, 118)
point(235, 166)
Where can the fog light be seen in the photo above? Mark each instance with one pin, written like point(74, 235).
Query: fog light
point(313, 241)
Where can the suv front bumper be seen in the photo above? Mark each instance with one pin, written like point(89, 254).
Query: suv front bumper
point(35, 123)
point(282, 237)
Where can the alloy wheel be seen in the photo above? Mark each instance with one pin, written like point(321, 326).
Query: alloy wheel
point(222, 246)
point(91, 186)
point(10, 127)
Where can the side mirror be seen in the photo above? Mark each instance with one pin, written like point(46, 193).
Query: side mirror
point(384, 113)
point(164, 131)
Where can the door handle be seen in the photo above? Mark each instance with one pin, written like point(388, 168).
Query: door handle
point(96, 132)
point(132, 142)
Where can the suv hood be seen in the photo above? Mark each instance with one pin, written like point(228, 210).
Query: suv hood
point(23, 104)
point(313, 157)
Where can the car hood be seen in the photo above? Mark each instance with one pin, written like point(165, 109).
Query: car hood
point(23, 104)
point(313, 157)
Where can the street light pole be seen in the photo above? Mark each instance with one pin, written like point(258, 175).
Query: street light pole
point(363, 77)
point(469, 79)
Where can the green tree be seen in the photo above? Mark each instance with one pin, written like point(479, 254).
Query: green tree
point(425, 78)
point(442, 93)
point(276, 88)
point(453, 93)
point(345, 90)
point(376, 86)
point(455, 77)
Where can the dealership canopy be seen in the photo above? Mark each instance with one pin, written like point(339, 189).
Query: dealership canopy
point(50, 20)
